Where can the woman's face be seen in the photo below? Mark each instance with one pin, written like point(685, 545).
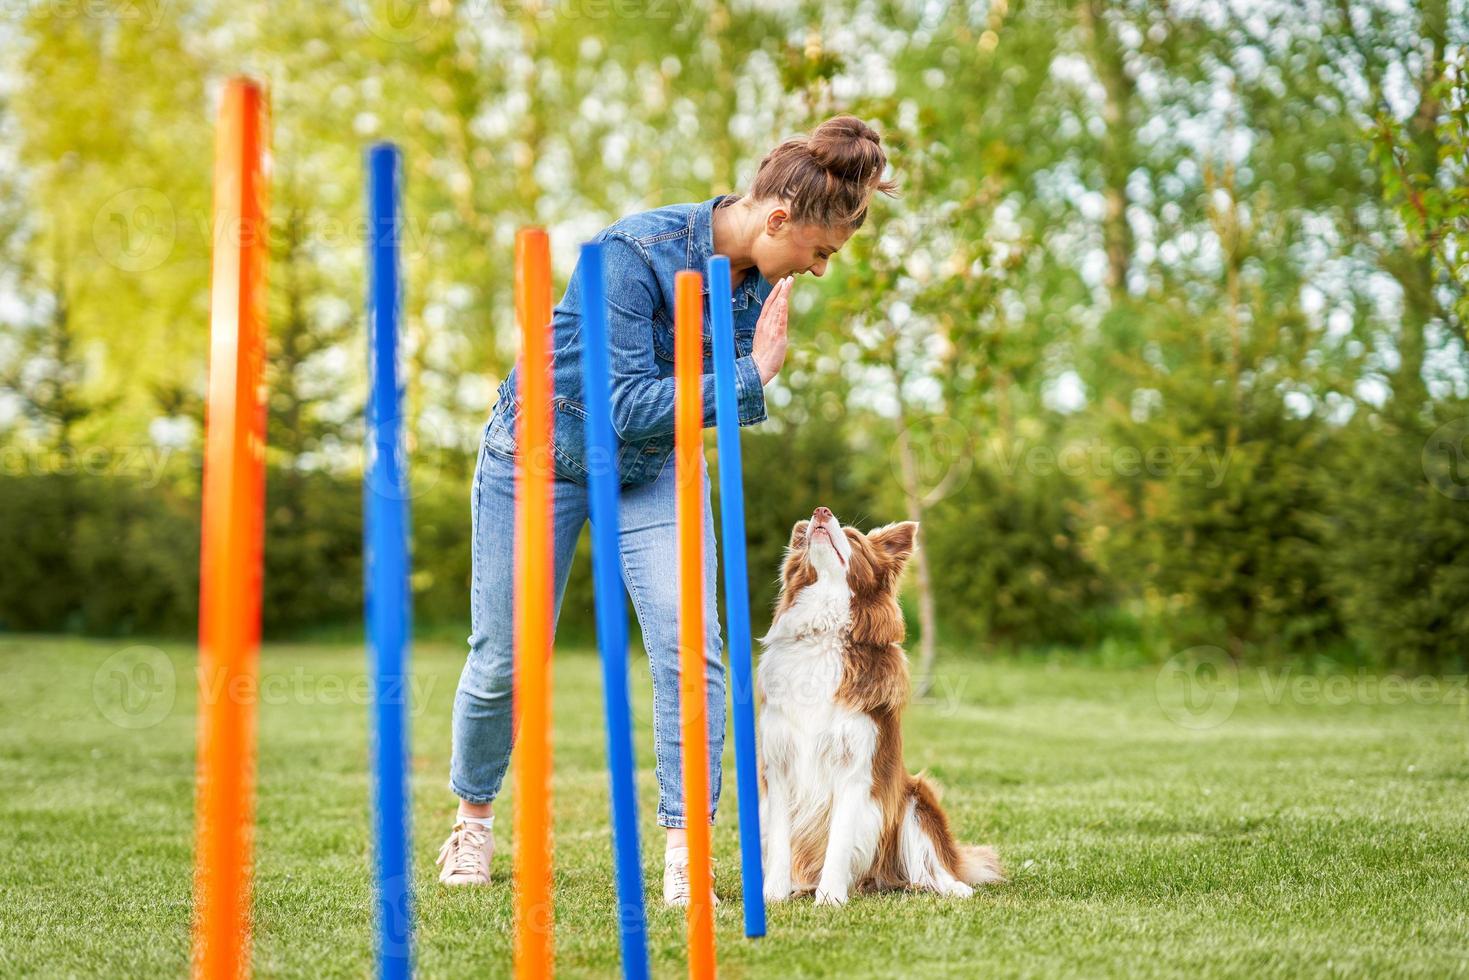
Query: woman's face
point(785, 248)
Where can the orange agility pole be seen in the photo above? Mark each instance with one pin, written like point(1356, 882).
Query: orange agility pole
point(534, 951)
point(688, 433)
point(233, 531)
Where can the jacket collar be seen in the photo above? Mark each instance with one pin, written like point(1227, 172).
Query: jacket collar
point(753, 289)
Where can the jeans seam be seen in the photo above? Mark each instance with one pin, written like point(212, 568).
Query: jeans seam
point(478, 504)
point(637, 605)
point(480, 487)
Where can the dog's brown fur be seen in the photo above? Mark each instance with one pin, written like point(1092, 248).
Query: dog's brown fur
point(875, 680)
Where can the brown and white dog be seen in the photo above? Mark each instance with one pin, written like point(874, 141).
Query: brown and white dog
point(840, 811)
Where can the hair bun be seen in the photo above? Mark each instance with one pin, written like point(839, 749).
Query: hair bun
point(847, 148)
point(826, 178)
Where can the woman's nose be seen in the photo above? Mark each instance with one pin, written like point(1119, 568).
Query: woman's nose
point(818, 268)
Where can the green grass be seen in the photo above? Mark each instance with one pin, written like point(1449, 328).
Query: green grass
point(1302, 836)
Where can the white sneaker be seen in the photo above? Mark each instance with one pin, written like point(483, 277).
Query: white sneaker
point(465, 857)
point(676, 877)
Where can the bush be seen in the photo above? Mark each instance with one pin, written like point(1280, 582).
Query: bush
point(1006, 554)
point(97, 555)
point(1398, 533)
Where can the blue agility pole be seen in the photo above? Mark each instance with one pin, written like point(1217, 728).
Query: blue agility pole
point(385, 546)
point(736, 591)
point(611, 612)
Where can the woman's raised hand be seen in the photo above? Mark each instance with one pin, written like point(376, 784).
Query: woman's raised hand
point(770, 331)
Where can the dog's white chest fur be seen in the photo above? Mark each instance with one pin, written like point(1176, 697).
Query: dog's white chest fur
point(816, 744)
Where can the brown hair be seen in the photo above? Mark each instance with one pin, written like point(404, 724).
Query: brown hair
point(826, 178)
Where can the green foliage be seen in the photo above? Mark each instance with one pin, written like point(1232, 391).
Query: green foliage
point(97, 554)
point(118, 555)
point(1207, 492)
point(1397, 537)
point(1230, 238)
point(787, 476)
point(1424, 164)
point(1007, 549)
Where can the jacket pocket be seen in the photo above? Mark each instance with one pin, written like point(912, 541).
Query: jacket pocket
point(569, 438)
point(663, 343)
point(640, 462)
point(663, 336)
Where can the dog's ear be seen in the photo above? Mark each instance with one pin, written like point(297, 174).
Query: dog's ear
point(895, 542)
point(798, 534)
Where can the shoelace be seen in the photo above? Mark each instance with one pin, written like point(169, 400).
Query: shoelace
point(680, 878)
point(680, 872)
point(468, 841)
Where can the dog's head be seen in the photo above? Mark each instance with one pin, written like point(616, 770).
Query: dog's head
point(828, 556)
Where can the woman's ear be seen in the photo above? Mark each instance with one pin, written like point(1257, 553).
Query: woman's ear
point(777, 220)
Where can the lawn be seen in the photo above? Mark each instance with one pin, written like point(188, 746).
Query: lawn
point(1319, 829)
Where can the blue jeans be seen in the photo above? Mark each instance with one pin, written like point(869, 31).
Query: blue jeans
point(649, 550)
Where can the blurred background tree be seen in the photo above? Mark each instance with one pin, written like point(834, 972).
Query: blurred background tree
point(1163, 343)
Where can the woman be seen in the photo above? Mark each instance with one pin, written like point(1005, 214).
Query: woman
point(809, 196)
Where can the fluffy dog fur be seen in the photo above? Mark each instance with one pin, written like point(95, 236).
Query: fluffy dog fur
point(840, 811)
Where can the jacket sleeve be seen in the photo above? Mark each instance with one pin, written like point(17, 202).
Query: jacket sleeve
point(642, 403)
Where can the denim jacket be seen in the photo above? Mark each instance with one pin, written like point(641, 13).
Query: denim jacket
point(641, 255)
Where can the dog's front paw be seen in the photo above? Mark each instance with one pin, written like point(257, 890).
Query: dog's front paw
point(831, 895)
point(777, 889)
point(956, 889)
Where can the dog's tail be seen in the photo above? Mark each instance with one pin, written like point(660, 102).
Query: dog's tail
point(979, 865)
point(970, 863)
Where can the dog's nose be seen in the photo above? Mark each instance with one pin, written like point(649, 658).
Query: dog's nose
point(821, 515)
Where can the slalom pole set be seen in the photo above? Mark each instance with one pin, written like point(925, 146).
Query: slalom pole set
point(231, 572)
